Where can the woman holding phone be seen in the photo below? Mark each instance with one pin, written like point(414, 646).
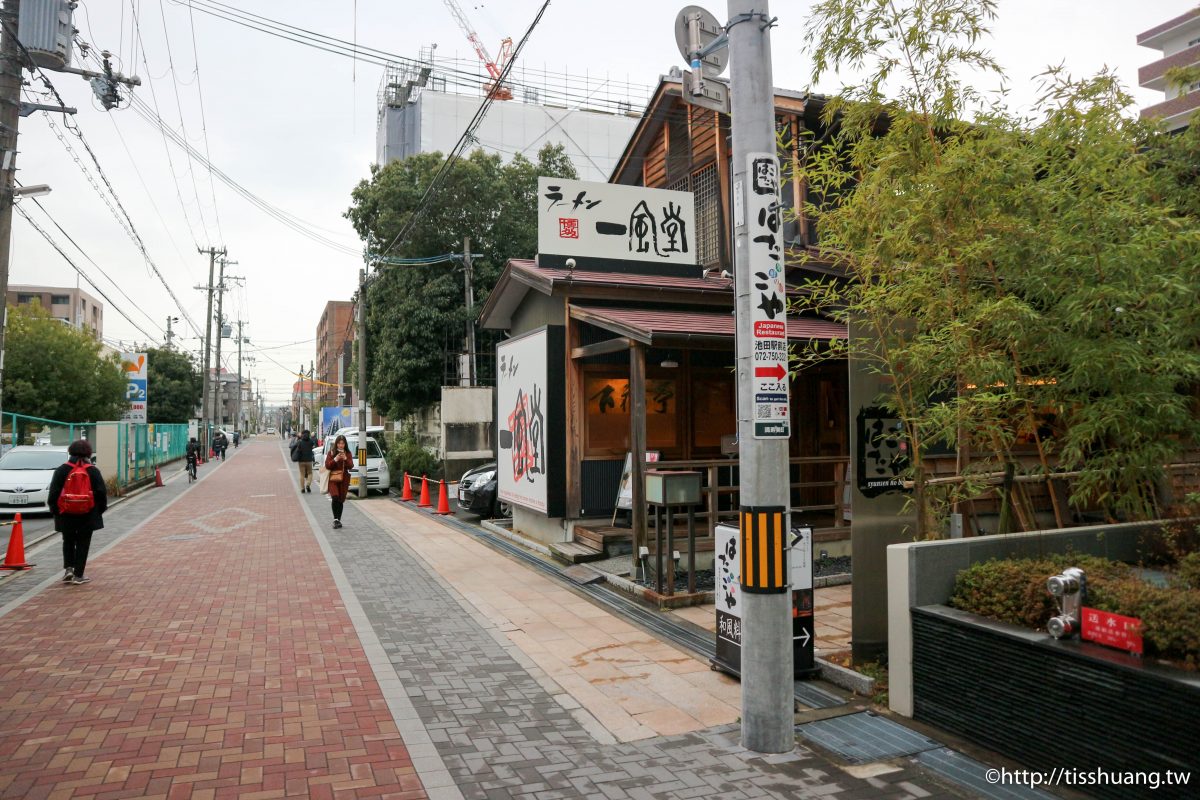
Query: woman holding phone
point(340, 463)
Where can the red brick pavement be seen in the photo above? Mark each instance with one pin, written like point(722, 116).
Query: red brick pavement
point(217, 666)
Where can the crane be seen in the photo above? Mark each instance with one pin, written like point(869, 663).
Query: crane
point(494, 68)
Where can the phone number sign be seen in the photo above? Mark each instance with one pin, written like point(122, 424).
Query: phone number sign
point(769, 343)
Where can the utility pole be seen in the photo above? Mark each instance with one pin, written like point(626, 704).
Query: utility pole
point(768, 704)
point(170, 333)
point(468, 278)
point(362, 382)
point(206, 409)
point(11, 61)
point(237, 414)
point(220, 290)
point(312, 396)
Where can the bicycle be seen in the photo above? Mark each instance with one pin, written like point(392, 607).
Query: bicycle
point(191, 469)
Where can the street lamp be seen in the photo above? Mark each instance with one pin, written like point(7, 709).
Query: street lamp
point(37, 190)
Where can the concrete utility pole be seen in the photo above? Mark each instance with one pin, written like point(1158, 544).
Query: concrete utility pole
point(170, 333)
point(768, 705)
point(206, 409)
point(220, 290)
point(362, 382)
point(468, 278)
point(237, 414)
point(312, 397)
point(11, 61)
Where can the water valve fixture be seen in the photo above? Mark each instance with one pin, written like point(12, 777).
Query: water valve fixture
point(1069, 590)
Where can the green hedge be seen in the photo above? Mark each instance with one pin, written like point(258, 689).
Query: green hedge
point(1014, 591)
point(406, 454)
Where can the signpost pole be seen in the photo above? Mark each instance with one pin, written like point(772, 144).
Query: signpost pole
point(362, 382)
point(763, 408)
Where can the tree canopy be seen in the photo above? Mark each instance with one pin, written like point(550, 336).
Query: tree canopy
point(173, 386)
point(1024, 280)
point(54, 371)
point(416, 315)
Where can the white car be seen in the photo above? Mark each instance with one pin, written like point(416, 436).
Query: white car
point(25, 474)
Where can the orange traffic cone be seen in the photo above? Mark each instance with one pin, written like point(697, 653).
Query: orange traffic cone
point(406, 491)
point(16, 548)
point(157, 477)
point(443, 500)
point(424, 501)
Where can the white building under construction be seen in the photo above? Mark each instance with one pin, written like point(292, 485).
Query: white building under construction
point(425, 105)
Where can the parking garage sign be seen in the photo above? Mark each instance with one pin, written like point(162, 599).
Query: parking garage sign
point(134, 367)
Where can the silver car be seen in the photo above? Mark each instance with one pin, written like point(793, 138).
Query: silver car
point(25, 474)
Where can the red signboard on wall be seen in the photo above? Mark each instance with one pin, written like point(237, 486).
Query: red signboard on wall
point(1112, 630)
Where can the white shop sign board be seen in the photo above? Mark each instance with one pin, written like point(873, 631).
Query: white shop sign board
point(521, 398)
point(609, 221)
point(768, 288)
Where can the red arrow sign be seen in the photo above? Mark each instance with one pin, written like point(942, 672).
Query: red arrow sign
point(777, 372)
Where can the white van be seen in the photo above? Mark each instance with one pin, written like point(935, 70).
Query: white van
point(379, 476)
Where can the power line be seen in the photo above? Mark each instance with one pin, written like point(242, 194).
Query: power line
point(295, 223)
point(135, 43)
point(74, 128)
point(92, 261)
point(467, 136)
point(203, 119)
point(82, 274)
point(162, 12)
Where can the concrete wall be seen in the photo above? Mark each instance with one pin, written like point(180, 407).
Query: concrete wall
point(923, 574)
point(592, 140)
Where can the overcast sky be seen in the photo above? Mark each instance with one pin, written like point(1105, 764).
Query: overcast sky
point(296, 127)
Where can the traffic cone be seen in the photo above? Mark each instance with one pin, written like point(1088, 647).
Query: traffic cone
point(157, 477)
point(443, 500)
point(16, 548)
point(406, 492)
point(424, 501)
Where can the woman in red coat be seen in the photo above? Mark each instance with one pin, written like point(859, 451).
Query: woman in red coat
point(340, 463)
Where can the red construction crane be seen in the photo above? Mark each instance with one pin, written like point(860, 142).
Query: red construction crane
point(494, 68)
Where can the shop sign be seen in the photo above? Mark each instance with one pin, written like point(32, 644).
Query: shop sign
point(768, 313)
point(135, 368)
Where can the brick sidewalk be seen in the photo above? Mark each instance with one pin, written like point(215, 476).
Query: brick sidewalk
point(228, 648)
point(211, 656)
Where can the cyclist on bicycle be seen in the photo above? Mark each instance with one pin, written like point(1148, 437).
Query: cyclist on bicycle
point(193, 455)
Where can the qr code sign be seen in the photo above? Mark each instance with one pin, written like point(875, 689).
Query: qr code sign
point(568, 228)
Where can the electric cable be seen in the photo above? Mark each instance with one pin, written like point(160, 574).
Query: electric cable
point(82, 274)
point(467, 136)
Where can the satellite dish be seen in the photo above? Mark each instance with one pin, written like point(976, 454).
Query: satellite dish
point(710, 30)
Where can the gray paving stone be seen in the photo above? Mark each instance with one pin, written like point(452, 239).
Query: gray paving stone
point(504, 729)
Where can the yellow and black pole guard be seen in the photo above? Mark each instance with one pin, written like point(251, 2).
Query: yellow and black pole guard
point(764, 553)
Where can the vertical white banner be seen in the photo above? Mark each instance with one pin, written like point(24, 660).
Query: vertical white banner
point(771, 412)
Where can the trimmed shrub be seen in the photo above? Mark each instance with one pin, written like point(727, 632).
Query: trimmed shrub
point(1014, 591)
point(406, 454)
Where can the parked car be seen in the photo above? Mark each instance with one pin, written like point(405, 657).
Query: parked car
point(25, 473)
point(478, 493)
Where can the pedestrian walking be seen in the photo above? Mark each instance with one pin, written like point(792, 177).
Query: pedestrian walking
point(339, 463)
point(302, 454)
point(78, 500)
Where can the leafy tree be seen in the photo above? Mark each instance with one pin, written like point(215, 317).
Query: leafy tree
point(417, 315)
point(1022, 280)
point(174, 386)
point(58, 372)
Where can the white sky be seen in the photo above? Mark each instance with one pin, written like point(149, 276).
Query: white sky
point(296, 127)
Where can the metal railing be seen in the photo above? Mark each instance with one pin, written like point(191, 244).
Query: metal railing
point(721, 487)
point(125, 451)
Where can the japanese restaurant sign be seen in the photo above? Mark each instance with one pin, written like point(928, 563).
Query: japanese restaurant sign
point(529, 405)
point(769, 297)
point(1111, 630)
point(608, 221)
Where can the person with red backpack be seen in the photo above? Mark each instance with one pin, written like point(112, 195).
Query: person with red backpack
point(78, 499)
